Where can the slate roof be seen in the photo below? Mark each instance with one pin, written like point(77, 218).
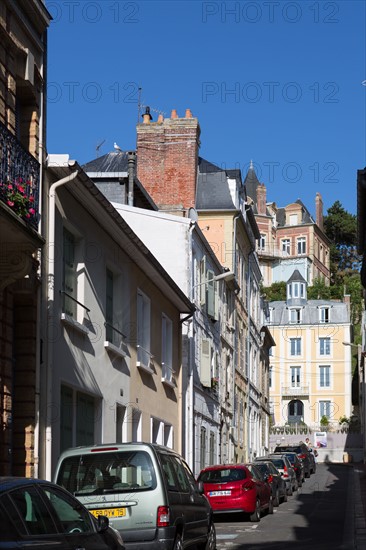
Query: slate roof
point(296, 276)
point(306, 216)
point(212, 188)
point(251, 183)
point(338, 313)
point(115, 161)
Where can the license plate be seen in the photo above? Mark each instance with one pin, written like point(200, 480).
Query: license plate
point(220, 493)
point(109, 512)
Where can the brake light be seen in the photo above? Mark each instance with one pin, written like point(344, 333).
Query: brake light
point(302, 456)
point(247, 486)
point(163, 518)
point(270, 478)
point(285, 473)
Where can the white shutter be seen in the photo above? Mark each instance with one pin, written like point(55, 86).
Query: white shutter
point(202, 282)
point(205, 370)
point(210, 294)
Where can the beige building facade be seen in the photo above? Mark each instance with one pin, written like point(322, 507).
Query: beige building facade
point(310, 367)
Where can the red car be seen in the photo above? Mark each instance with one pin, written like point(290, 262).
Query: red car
point(237, 488)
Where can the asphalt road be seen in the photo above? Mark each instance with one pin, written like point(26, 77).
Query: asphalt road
point(318, 516)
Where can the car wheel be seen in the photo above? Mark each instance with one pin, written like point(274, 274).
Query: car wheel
point(270, 505)
point(284, 499)
point(276, 500)
point(256, 515)
point(211, 539)
point(178, 543)
point(289, 491)
point(307, 474)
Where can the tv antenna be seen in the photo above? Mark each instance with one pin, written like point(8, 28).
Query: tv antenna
point(98, 147)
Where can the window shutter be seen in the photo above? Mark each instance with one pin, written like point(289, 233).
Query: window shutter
point(205, 370)
point(210, 294)
point(203, 281)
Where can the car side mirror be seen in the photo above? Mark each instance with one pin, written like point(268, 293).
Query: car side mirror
point(200, 487)
point(103, 524)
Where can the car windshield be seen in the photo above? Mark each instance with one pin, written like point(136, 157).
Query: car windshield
point(278, 462)
point(109, 472)
point(223, 476)
point(262, 468)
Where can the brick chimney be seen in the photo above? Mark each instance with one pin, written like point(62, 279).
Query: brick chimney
point(167, 157)
point(319, 211)
point(261, 199)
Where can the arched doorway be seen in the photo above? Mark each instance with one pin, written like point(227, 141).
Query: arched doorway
point(295, 411)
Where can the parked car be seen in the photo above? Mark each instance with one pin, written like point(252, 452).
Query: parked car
point(283, 465)
point(274, 478)
point(37, 514)
point(147, 491)
point(297, 465)
point(312, 454)
point(237, 488)
point(302, 452)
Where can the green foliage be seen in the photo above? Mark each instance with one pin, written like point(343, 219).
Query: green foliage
point(275, 292)
point(324, 422)
point(319, 290)
point(340, 227)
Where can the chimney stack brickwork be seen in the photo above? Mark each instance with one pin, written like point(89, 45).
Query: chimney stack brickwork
point(167, 158)
point(319, 211)
point(261, 199)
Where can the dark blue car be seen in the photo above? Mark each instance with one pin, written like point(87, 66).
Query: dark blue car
point(38, 514)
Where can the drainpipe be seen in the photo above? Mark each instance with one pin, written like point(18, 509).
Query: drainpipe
point(190, 387)
point(51, 301)
point(248, 356)
point(235, 357)
point(131, 174)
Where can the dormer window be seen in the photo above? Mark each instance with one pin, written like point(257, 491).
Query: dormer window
point(293, 219)
point(296, 290)
point(324, 314)
point(295, 315)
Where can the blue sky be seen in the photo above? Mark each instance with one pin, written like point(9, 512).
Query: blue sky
point(276, 82)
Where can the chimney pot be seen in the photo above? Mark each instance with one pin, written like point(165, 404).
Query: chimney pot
point(174, 114)
point(147, 116)
point(188, 113)
point(160, 119)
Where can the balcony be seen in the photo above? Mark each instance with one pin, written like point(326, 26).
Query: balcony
point(270, 251)
point(19, 178)
point(289, 392)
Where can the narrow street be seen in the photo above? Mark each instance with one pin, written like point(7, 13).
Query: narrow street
point(318, 516)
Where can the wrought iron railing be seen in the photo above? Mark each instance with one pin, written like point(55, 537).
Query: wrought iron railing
point(19, 178)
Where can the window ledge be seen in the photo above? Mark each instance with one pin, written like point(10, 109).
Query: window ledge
point(114, 349)
point(145, 368)
point(67, 320)
point(167, 382)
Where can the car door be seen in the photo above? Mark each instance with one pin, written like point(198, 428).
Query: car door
point(32, 524)
point(74, 521)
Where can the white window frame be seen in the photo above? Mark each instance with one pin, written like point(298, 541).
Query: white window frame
point(286, 246)
point(293, 218)
point(295, 315)
point(301, 246)
point(297, 348)
point(325, 380)
point(144, 356)
point(325, 404)
point(167, 350)
point(324, 314)
point(295, 377)
point(325, 349)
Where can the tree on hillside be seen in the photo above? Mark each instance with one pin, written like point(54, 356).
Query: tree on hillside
point(340, 227)
point(275, 292)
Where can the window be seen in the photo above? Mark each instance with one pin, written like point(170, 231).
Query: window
point(301, 246)
point(203, 448)
point(69, 275)
point(76, 418)
point(262, 242)
point(293, 219)
point(270, 377)
point(324, 314)
point(212, 296)
point(324, 376)
point(68, 512)
point(113, 311)
point(295, 346)
point(167, 348)
point(286, 246)
point(271, 311)
point(143, 330)
point(207, 352)
point(295, 377)
point(295, 315)
point(324, 346)
point(324, 409)
point(33, 511)
point(212, 448)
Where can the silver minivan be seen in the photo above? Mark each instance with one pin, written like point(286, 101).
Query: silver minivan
point(147, 491)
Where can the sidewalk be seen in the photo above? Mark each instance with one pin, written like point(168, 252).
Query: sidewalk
point(360, 505)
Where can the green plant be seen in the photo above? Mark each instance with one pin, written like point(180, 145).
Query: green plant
point(19, 197)
point(324, 421)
